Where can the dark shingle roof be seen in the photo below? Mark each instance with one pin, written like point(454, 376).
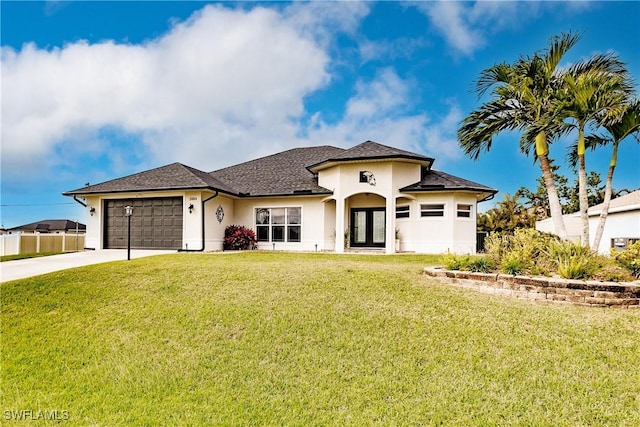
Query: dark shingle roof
point(47, 225)
point(283, 173)
point(290, 172)
point(438, 181)
point(171, 177)
point(370, 150)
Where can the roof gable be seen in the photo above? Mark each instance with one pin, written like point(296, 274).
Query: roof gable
point(370, 150)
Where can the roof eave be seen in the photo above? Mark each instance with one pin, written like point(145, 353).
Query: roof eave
point(487, 193)
point(79, 192)
point(289, 194)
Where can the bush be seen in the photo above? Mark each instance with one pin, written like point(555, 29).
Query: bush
point(480, 265)
point(238, 237)
point(455, 262)
point(511, 266)
point(520, 252)
point(467, 263)
point(531, 252)
point(573, 261)
point(629, 259)
point(613, 273)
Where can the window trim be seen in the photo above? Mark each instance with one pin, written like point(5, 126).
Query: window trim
point(434, 208)
point(404, 211)
point(286, 226)
point(468, 212)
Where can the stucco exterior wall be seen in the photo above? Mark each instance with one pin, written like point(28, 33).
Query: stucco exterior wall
point(93, 236)
point(438, 234)
point(619, 224)
point(214, 230)
point(313, 225)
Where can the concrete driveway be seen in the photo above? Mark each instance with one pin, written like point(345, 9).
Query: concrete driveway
point(19, 269)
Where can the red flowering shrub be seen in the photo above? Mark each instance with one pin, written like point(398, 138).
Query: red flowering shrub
point(238, 237)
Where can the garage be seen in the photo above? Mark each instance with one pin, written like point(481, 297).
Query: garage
point(156, 223)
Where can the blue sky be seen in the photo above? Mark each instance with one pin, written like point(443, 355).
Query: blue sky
point(97, 90)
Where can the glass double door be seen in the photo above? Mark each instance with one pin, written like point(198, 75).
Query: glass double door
point(368, 227)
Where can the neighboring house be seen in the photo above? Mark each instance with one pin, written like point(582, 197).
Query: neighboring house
point(50, 226)
point(623, 223)
point(307, 199)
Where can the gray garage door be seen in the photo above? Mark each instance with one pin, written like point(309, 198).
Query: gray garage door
point(155, 223)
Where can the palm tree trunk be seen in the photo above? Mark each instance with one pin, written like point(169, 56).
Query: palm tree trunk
point(607, 199)
point(554, 200)
point(582, 189)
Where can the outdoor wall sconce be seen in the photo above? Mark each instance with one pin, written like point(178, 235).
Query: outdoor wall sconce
point(191, 207)
point(92, 210)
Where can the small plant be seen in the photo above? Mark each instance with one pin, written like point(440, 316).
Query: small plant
point(238, 237)
point(512, 266)
point(613, 273)
point(629, 259)
point(573, 260)
point(480, 265)
point(455, 262)
point(575, 267)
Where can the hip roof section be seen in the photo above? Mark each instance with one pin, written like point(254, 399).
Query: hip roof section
point(291, 172)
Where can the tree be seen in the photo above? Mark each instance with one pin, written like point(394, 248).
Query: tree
point(628, 125)
point(537, 200)
point(523, 98)
point(594, 91)
point(507, 216)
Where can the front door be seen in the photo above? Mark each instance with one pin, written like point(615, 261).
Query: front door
point(368, 227)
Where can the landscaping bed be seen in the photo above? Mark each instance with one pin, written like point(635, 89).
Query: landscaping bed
point(550, 289)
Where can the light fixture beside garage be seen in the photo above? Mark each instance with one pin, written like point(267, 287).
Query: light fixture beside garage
point(191, 208)
point(92, 210)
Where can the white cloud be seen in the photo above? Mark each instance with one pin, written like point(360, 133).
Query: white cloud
point(467, 26)
point(223, 79)
point(452, 20)
point(379, 111)
point(223, 86)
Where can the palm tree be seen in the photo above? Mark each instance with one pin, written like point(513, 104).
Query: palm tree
point(628, 125)
point(523, 97)
point(595, 91)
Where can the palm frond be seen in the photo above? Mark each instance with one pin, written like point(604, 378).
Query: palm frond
point(559, 46)
point(495, 75)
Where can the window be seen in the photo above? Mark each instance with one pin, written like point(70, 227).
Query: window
point(463, 211)
point(402, 211)
point(432, 210)
point(278, 224)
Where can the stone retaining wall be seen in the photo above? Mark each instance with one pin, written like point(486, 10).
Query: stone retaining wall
point(549, 289)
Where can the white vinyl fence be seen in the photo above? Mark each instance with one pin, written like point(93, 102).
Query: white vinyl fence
point(26, 243)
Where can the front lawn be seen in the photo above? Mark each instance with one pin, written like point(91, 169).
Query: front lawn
point(261, 338)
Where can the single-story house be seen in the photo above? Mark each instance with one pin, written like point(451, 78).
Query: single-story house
point(621, 228)
point(50, 226)
point(319, 198)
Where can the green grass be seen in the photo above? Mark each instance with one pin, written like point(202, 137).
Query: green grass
point(4, 258)
point(262, 338)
